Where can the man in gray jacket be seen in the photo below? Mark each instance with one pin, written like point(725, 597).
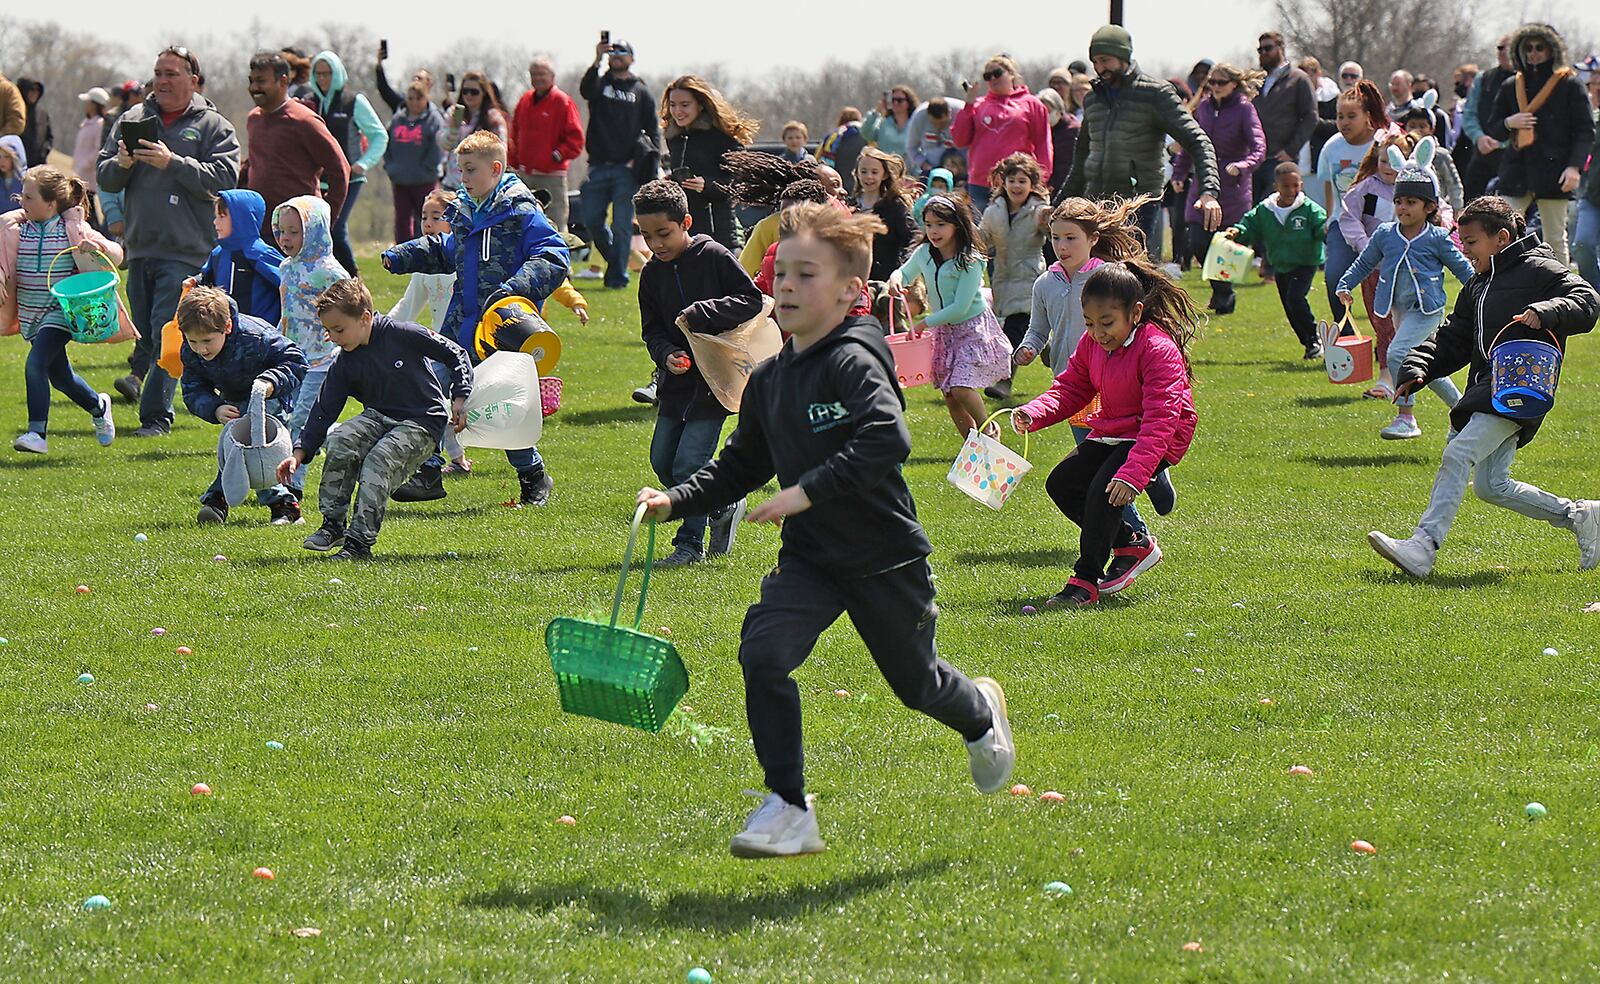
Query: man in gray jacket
point(1287, 106)
point(169, 185)
point(1127, 118)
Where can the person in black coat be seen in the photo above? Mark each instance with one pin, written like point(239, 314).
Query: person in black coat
point(1520, 291)
point(38, 137)
point(1546, 147)
point(701, 127)
point(881, 189)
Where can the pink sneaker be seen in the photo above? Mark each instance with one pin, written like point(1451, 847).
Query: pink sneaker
point(1077, 594)
point(1129, 562)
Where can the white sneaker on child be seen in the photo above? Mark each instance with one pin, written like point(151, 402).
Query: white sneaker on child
point(1586, 526)
point(992, 757)
point(1401, 429)
point(776, 829)
point(1414, 555)
point(105, 429)
point(30, 442)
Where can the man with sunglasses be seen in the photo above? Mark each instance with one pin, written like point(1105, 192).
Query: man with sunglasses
point(1287, 106)
point(292, 152)
point(1542, 116)
point(1486, 150)
point(1349, 74)
point(169, 184)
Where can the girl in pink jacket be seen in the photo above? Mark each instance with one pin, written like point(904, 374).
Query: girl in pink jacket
point(1006, 120)
point(1135, 355)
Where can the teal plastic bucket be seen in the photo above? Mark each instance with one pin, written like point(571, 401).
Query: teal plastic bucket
point(89, 301)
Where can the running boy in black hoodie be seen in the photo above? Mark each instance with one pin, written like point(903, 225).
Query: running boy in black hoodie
point(825, 417)
point(690, 284)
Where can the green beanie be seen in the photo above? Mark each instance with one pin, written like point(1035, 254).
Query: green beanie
point(1113, 40)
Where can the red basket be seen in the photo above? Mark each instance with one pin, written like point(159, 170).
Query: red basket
point(550, 394)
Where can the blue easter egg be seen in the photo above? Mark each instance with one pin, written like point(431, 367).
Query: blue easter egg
point(140, 538)
point(94, 902)
point(276, 746)
point(1058, 888)
point(86, 678)
point(699, 975)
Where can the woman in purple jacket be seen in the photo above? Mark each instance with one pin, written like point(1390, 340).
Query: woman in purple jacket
point(1224, 112)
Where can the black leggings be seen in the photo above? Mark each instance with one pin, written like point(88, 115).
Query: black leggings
point(1078, 487)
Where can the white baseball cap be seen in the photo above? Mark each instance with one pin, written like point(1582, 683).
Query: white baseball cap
point(96, 95)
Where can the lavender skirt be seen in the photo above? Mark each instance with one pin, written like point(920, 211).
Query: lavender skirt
point(973, 353)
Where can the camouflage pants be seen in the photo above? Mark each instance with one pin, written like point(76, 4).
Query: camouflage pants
point(378, 452)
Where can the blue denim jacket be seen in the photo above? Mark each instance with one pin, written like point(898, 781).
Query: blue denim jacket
point(1424, 259)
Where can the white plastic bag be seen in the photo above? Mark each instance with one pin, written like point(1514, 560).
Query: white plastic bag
point(727, 360)
point(504, 409)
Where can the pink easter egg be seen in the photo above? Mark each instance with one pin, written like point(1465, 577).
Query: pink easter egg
point(265, 874)
point(185, 651)
point(1193, 946)
point(199, 789)
point(568, 821)
point(1021, 789)
point(841, 693)
point(1362, 847)
point(1051, 796)
point(83, 589)
point(1301, 770)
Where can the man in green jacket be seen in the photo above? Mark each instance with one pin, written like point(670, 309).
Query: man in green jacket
point(1127, 118)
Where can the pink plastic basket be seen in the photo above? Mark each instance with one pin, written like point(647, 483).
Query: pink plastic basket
point(550, 394)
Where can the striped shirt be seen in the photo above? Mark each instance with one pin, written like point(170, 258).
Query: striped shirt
point(38, 266)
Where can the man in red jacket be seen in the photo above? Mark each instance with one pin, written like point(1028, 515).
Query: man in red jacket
point(291, 151)
point(546, 137)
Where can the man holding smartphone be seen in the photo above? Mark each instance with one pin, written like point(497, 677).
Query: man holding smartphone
point(622, 126)
point(546, 137)
point(169, 183)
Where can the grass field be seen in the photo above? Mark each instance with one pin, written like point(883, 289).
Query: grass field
point(411, 813)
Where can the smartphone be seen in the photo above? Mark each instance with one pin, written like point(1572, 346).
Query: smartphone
point(449, 82)
point(383, 50)
point(966, 86)
point(680, 174)
point(134, 131)
point(605, 37)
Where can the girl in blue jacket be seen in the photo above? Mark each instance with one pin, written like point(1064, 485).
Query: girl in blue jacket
point(1410, 255)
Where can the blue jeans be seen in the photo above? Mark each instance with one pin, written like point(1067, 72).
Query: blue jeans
point(610, 185)
point(304, 398)
point(1586, 242)
point(154, 287)
point(48, 366)
point(1148, 219)
point(1130, 514)
point(1341, 257)
point(678, 449)
point(267, 497)
point(980, 198)
point(1412, 328)
point(341, 230)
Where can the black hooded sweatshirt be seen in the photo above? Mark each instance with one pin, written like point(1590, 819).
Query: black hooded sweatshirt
point(831, 420)
point(710, 290)
point(619, 110)
point(1524, 275)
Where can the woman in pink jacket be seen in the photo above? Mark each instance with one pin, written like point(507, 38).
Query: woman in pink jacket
point(1003, 122)
point(1135, 355)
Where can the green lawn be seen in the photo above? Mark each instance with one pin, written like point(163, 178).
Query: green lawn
point(411, 814)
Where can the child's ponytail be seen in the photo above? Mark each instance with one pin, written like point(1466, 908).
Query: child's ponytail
point(57, 187)
point(757, 179)
point(1166, 304)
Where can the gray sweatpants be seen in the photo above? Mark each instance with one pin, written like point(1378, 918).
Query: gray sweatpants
point(378, 452)
point(1483, 451)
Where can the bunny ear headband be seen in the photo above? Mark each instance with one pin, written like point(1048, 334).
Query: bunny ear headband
point(1421, 158)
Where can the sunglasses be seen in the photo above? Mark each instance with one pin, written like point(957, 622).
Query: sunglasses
point(900, 99)
point(993, 74)
point(184, 53)
point(472, 92)
point(1266, 48)
point(1535, 46)
point(1350, 75)
point(1499, 47)
point(1219, 81)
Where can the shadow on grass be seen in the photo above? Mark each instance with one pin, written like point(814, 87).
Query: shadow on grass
point(165, 453)
point(1361, 460)
point(1038, 557)
point(1331, 400)
point(379, 559)
point(619, 909)
point(25, 462)
point(1477, 579)
point(923, 459)
point(609, 415)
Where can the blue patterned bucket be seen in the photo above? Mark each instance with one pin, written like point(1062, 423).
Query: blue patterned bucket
point(1525, 376)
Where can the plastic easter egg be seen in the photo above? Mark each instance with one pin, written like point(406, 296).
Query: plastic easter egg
point(265, 874)
point(1535, 810)
point(83, 589)
point(1021, 789)
point(1029, 610)
point(1193, 946)
point(184, 651)
point(94, 902)
point(276, 746)
point(158, 632)
point(5, 642)
point(199, 789)
point(152, 707)
point(1051, 796)
point(1267, 702)
point(698, 975)
point(219, 558)
point(1362, 847)
point(334, 580)
point(1551, 651)
point(140, 538)
point(85, 677)
point(567, 821)
point(1058, 888)
point(1301, 770)
point(841, 693)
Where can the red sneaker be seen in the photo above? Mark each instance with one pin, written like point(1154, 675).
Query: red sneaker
point(1129, 562)
point(1077, 594)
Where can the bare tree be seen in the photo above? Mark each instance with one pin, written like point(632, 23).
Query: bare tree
point(1431, 36)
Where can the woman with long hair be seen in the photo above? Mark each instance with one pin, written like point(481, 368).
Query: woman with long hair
point(881, 189)
point(885, 127)
point(1225, 113)
point(701, 127)
point(478, 108)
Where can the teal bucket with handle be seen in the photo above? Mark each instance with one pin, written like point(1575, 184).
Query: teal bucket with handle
point(89, 301)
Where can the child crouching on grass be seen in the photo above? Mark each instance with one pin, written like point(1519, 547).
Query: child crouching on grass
point(384, 364)
point(826, 417)
point(1519, 285)
point(224, 354)
point(1135, 355)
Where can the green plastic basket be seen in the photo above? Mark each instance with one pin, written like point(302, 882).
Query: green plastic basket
point(88, 300)
point(616, 674)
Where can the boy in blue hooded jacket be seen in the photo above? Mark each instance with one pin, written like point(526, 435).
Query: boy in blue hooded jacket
point(244, 264)
point(500, 244)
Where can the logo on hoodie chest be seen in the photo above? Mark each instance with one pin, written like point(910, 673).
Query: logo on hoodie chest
point(826, 416)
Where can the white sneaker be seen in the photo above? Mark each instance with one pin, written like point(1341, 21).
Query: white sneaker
point(105, 429)
point(1414, 555)
point(588, 273)
point(992, 757)
point(1586, 526)
point(1401, 429)
point(777, 829)
point(31, 443)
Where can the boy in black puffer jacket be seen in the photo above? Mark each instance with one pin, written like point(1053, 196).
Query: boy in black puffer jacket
point(1522, 291)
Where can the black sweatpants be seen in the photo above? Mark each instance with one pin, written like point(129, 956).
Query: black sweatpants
point(895, 614)
point(1294, 287)
point(1015, 326)
point(1078, 487)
